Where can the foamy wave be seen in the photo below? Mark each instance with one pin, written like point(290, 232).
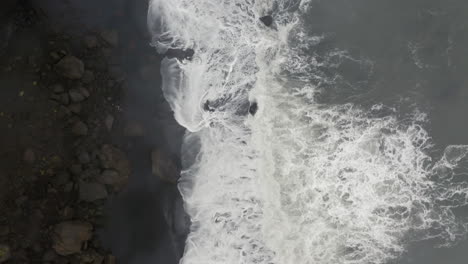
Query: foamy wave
point(299, 182)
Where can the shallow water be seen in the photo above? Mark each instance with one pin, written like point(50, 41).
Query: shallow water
point(350, 158)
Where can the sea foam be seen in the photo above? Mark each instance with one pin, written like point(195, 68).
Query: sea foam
point(299, 181)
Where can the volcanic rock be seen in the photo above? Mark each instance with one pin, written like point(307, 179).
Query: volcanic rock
point(113, 158)
point(92, 191)
point(111, 37)
point(68, 237)
point(70, 67)
point(80, 129)
point(267, 20)
point(76, 95)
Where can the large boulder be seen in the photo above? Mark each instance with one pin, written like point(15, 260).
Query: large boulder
point(68, 237)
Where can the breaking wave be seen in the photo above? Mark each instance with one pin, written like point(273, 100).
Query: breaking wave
point(297, 181)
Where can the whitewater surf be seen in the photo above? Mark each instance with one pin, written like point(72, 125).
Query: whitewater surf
point(296, 181)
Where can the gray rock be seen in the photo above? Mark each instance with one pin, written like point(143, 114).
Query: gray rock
point(63, 112)
point(54, 55)
point(75, 108)
point(110, 177)
point(55, 97)
point(90, 41)
point(92, 191)
point(68, 237)
point(57, 88)
point(76, 96)
point(70, 67)
point(84, 157)
point(29, 156)
point(164, 167)
point(5, 253)
point(113, 158)
point(62, 179)
point(80, 129)
point(64, 99)
point(111, 37)
point(76, 169)
point(84, 92)
point(49, 256)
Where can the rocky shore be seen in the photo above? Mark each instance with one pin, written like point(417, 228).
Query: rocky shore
point(89, 149)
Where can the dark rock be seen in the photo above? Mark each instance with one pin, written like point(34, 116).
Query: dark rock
point(110, 177)
point(75, 108)
point(76, 169)
point(29, 156)
point(98, 260)
point(111, 37)
point(62, 178)
point(49, 256)
point(54, 55)
point(64, 99)
point(109, 122)
point(113, 158)
point(70, 67)
point(164, 167)
point(63, 112)
point(267, 20)
point(253, 108)
point(84, 92)
point(208, 107)
point(84, 157)
point(68, 237)
point(76, 96)
point(5, 253)
point(80, 129)
point(91, 256)
point(180, 54)
point(90, 41)
point(92, 191)
point(57, 88)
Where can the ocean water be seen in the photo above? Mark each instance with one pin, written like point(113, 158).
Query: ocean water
point(347, 159)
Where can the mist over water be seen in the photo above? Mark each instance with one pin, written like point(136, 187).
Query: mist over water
point(334, 167)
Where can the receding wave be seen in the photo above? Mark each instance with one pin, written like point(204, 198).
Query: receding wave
point(297, 181)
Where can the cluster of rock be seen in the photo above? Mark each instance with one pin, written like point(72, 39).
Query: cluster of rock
point(56, 205)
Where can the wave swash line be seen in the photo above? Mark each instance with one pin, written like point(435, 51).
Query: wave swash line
point(299, 181)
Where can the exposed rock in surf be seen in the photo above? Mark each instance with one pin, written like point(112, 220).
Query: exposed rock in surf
point(180, 54)
point(208, 107)
point(267, 20)
point(253, 108)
